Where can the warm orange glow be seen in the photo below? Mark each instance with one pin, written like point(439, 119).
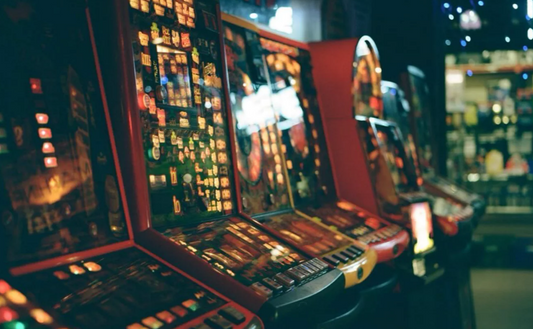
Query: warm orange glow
point(42, 118)
point(41, 316)
point(50, 162)
point(92, 266)
point(422, 227)
point(76, 270)
point(48, 148)
point(16, 297)
point(45, 133)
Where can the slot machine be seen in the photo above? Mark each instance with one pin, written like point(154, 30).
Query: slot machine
point(67, 228)
point(265, 194)
point(453, 218)
point(166, 80)
point(370, 151)
point(265, 190)
point(306, 152)
point(413, 82)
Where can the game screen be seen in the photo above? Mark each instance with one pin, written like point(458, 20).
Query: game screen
point(187, 148)
point(392, 150)
point(396, 109)
point(422, 227)
point(259, 159)
point(182, 109)
point(302, 137)
point(58, 176)
point(366, 86)
point(422, 119)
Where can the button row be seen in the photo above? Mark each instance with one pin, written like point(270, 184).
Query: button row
point(351, 253)
point(380, 235)
point(225, 319)
point(297, 275)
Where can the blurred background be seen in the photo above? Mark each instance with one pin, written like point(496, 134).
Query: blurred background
point(477, 57)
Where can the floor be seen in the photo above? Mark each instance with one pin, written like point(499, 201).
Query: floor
point(502, 278)
point(503, 298)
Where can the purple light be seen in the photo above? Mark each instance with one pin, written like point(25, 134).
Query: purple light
point(469, 73)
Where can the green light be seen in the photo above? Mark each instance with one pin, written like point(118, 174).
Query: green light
point(15, 325)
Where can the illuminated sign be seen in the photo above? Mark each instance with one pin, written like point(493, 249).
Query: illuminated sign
point(422, 227)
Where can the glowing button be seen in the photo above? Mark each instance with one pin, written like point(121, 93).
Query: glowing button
point(41, 316)
point(76, 270)
point(4, 287)
point(92, 266)
point(45, 133)
point(41, 118)
point(50, 162)
point(16, 297)
point(7, 314)
point(35, 85)
point(166, 316)
point(61, 275)
point(2, 301)
point(152, 322)
point(48, 148)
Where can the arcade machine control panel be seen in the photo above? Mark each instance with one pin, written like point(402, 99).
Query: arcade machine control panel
point(306, 153)
point(16, 312)
point(69, 242)
point(174, 138)
point(260, 160)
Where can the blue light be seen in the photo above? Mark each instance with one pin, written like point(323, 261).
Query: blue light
point(392, 91)
point(528, 18)
point(469, 73)
point(448, 42)
point(463, 43)
point(459, 10)
point(525, 76)
point(525, 48)
point(164, 80)
point(481, 3)
point(446, 5)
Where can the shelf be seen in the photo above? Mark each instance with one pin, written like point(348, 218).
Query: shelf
point(491, 68)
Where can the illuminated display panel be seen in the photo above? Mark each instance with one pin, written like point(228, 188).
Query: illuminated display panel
point(396, 109)
point(187, 149)
point(302, 136)
point(183, 120)
point(422, 227)
point(392, 151)
point(59, 194)
point(366, 87)
point(259, 158)
point(422, 119)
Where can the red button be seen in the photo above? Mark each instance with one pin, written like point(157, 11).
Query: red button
point(7, 314)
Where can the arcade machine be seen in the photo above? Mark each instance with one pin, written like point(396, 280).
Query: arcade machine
point(168, 90)
point(306, 152)
point(453, 218)
point(451, 215)
point(263, 181)
point(69, 239)
point(413, 81)
point(265, 193)
point(386, 183)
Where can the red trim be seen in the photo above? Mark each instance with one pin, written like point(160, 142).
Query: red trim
point(271, 35)
point(384, 249)
point(109, 128)
point(229, 116)
point(67, 259)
